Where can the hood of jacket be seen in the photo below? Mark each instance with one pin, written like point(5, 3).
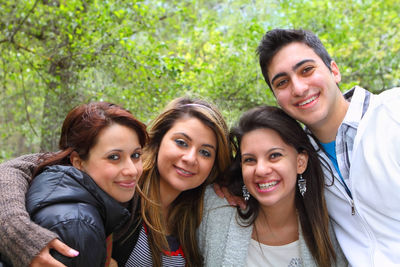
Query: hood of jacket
point(66, 184)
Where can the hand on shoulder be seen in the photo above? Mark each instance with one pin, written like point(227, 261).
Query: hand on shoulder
point(45, 259)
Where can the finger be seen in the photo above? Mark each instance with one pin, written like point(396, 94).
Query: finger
point(240, 202)
point(63, 248)
point(218, 190)
point(113, 263)
point(51, 262)
point(229, 197)
point(44, 259)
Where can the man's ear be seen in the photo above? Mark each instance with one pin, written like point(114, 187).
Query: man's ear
point(76, 161)
point(335, 72)
point(302, 160)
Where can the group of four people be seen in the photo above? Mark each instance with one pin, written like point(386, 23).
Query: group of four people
point(323, 196)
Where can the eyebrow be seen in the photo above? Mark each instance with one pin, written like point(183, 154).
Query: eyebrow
point(190, 139)
point(122, 150)
point(268, 151)
point(294, 68)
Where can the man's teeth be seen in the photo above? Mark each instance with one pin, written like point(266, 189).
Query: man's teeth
point(267, 185)
point(308, 101)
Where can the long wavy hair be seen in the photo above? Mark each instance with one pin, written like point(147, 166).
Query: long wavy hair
point(313, 214)
point(185, 213)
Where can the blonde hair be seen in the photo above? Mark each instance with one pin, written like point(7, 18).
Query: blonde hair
point(186, 210)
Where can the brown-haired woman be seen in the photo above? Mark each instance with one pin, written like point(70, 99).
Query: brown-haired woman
point(188, 150)
point(81, 192)
point(286, 222)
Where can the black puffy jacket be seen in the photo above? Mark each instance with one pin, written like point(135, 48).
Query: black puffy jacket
point(68, 202)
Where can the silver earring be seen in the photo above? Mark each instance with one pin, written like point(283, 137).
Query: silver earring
point(302, 185)
point(246, 194)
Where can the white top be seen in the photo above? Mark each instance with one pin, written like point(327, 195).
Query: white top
point(369, 157)
point(260, 255)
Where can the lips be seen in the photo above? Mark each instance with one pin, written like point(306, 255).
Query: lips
point(127, 184)
point(183, 172)
point(308, 101)
point(266, 186)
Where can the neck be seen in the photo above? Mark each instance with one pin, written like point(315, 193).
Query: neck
point(278, 217)
point(167, 196)
point(326, 131)
point(277, 225)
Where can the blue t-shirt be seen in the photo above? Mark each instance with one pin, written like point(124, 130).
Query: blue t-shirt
point(330, 150)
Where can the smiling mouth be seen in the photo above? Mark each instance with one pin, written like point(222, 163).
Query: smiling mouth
point(127, 184)
point(265, 186)
point(184, 172)
point(308, 101)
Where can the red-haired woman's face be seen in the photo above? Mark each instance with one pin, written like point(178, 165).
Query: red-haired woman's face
point(114, 162)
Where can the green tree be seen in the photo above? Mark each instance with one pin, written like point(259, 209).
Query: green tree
point(55, 54)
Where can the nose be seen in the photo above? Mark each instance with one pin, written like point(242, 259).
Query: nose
point(262, 168)
point(299, 86)
point(130, 169)
point(190, 156)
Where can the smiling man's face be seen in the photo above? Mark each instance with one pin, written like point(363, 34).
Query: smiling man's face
point(304, 86)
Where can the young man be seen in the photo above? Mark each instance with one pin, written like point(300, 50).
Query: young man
point(358, 138)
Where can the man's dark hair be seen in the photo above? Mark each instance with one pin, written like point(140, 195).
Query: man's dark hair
point(273, 41)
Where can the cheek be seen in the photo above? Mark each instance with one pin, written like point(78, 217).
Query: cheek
point(282, 97)
point(247, 175)
point(104, 178)
point(206, 167)
point(139, 168)
point(165, 151)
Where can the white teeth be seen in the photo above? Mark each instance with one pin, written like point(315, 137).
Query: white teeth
point(267, 185)
point(308, 101)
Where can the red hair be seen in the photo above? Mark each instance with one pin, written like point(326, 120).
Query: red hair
point(81, 129)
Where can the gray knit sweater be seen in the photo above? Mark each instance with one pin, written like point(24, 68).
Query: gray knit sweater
point(20, 238)
point(223, 242)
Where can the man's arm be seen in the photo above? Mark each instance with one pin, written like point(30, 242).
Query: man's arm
point(20, 238)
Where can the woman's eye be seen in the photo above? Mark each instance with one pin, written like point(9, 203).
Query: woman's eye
point(113, 157)
point(181, 143)
point(205, 153)
point(136, 155)
point(275, 155)
point(248, 160)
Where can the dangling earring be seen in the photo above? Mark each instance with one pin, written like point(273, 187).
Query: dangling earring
point(302, 185)
point(246, 194)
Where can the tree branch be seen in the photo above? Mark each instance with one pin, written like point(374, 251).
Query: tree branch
point(23, 21)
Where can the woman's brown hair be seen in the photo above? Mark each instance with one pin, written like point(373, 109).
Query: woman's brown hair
point(313, 214)
point(185, 213)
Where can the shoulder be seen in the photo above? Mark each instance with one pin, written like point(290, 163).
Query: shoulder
point(56, 184)
point(216, 210)
point(390, 100)
point(222, 240)
point(68, 215)
point(382, 114)
point(212, 200)
point(83, 232)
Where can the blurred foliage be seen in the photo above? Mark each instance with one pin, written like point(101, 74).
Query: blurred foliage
point(55, 54)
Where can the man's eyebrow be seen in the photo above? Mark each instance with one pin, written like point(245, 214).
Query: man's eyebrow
point(295, 67)
point(280, 74)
